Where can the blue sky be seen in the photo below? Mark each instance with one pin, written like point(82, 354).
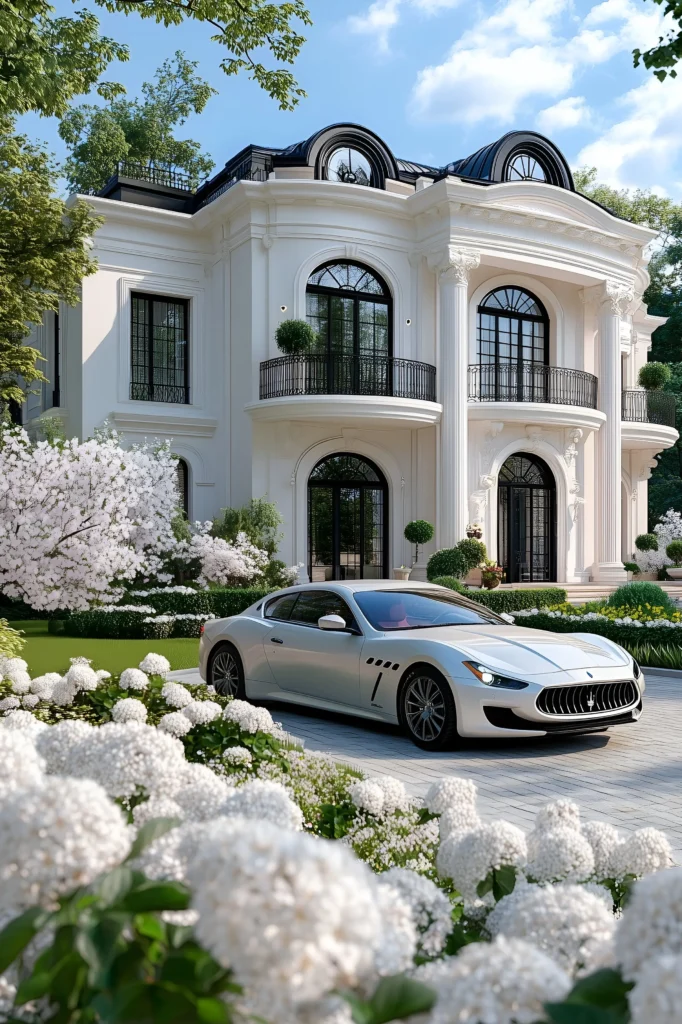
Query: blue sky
point(438, 78)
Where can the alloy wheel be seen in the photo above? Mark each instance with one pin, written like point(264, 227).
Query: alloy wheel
point(225, 674)
point(424, 708)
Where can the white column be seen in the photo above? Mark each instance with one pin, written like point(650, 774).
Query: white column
point(609, 567)
point(453, 387)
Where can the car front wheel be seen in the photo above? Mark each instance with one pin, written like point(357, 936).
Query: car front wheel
point(427, 709)
point(225, 672)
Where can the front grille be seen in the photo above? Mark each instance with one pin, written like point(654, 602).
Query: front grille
point(587, 698)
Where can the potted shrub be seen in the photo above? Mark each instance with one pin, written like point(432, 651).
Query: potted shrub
point(295, 337)
point(654, 376)
point(491, 574)
point(631, 568)
point(647, 542)
point(474, 530)
point(419, 531)
point(674, 551)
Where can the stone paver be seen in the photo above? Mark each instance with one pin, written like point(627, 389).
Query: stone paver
point(630, 776)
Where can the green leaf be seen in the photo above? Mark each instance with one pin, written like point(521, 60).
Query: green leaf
point(151, 927)
point(605, 989)
point(150, 831)
point(115, 884)
point(486, 886)
point(503, 881)
point(15, 936)
point(212, 1011)
point(576, 1013)
point(400, 997)
point(157, 896)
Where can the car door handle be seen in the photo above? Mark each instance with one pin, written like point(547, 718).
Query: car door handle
point(276, 640)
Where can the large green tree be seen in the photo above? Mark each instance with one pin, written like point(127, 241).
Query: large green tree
point(139, 131)
point(667, 53)
point(45, 61)
point(663, 298)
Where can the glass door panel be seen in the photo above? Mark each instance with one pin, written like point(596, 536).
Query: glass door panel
point(320, 526)
point(350, 533)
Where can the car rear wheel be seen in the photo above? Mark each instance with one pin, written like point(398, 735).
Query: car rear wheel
point(225, 672)
point(427, 709)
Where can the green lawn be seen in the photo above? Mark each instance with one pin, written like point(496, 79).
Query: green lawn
point(46, 653)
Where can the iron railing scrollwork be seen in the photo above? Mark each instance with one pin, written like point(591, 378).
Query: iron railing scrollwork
point(532, 382)
point(175, 393)
point(340, 374)
point(649, 407)
point(155, 175)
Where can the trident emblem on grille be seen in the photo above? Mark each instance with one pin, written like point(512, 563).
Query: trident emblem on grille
point(590, 701)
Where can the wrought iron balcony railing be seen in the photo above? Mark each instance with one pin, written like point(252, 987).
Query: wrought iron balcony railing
point(531, 382)
point(143, 392)
point(649, 407)
point(339, 374)
point(156, 175)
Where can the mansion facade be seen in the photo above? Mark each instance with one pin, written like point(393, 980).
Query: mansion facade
point(479, 330)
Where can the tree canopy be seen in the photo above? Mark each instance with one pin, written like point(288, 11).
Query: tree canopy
point(141, 131)
point(663, 57)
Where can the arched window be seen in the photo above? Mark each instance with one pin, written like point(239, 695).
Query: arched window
point(349, 307)
point(525, 167)
point(349, 165)
point(512, 335)
point(526, 519)
point(347, 517)
point(182, 480)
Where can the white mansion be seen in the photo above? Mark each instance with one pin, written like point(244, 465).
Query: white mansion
point(480, 328)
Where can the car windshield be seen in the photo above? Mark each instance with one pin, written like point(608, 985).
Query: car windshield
point(409, 609)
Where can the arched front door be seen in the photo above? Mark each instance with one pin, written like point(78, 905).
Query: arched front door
point(526, 520)
point(347, 520)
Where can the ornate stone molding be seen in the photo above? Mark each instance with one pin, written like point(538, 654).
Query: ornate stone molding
point(455, 262)
point(617, 297)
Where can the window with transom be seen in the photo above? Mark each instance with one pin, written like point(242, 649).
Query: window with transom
point(512, 335)
point(349, 308)
point(525, 167)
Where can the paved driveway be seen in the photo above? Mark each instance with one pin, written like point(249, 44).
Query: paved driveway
point(630, 776)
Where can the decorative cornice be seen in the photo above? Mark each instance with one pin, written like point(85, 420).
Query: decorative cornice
point(617, 297)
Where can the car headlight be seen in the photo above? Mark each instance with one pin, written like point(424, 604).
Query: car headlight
point(636, 670)
point(485, 675)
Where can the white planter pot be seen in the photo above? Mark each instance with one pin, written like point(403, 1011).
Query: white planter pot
point(418, 572)
point(675, 573)
point(401, 574)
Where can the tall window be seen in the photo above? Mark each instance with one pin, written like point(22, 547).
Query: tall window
point(349, 307)
point(182, 481)
point(159, 357)
point(526, 520)
point(513, 346)
point(347, 510)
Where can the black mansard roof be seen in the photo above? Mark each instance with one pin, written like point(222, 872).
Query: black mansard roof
point(515, 156)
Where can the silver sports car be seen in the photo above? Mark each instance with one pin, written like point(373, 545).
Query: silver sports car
point(435, 662)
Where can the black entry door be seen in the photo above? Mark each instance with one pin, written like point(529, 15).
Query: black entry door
point(526, 522)
point(347, 536)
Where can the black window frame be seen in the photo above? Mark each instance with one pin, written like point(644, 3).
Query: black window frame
point(528, 375)
point(151, 390)
point(184, 490)
point(505, 520)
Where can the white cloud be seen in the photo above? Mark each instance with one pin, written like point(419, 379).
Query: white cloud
point(378, 21)
point(527, 49)
point(434, 6)
point(567, 113)
point(641, 149)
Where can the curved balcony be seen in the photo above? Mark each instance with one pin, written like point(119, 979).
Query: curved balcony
point(339, 374)
point(532, 382)
point(648, 420)
point(649, 407)
point(324, 387)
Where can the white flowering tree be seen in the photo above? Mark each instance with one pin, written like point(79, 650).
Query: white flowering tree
point(78, 518)
point(669, 527)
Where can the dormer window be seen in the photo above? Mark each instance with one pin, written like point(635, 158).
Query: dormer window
point(350, 166)
point(524, 167)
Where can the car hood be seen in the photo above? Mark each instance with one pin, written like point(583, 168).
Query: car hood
point(519, 650)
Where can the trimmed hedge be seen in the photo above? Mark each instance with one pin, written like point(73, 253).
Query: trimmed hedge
point(625, 635)
point(169, 608)
point(507, 600)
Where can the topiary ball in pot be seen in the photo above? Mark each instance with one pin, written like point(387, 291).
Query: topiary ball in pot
point(419, 531)
point(633, 594)
point(295, 337)
point(647, 542)
point(447, 562)
point(654, 376)
point(474, 551)
point(674, 551)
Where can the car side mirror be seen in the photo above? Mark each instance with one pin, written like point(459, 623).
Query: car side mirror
point(331, 622)
point(507, 618)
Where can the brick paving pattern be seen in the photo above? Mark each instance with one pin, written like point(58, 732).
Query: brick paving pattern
point(630, 776)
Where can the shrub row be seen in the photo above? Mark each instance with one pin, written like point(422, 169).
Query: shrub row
point(221, 601)
point(622, 634)
point(506, 600)
point(182, 619)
